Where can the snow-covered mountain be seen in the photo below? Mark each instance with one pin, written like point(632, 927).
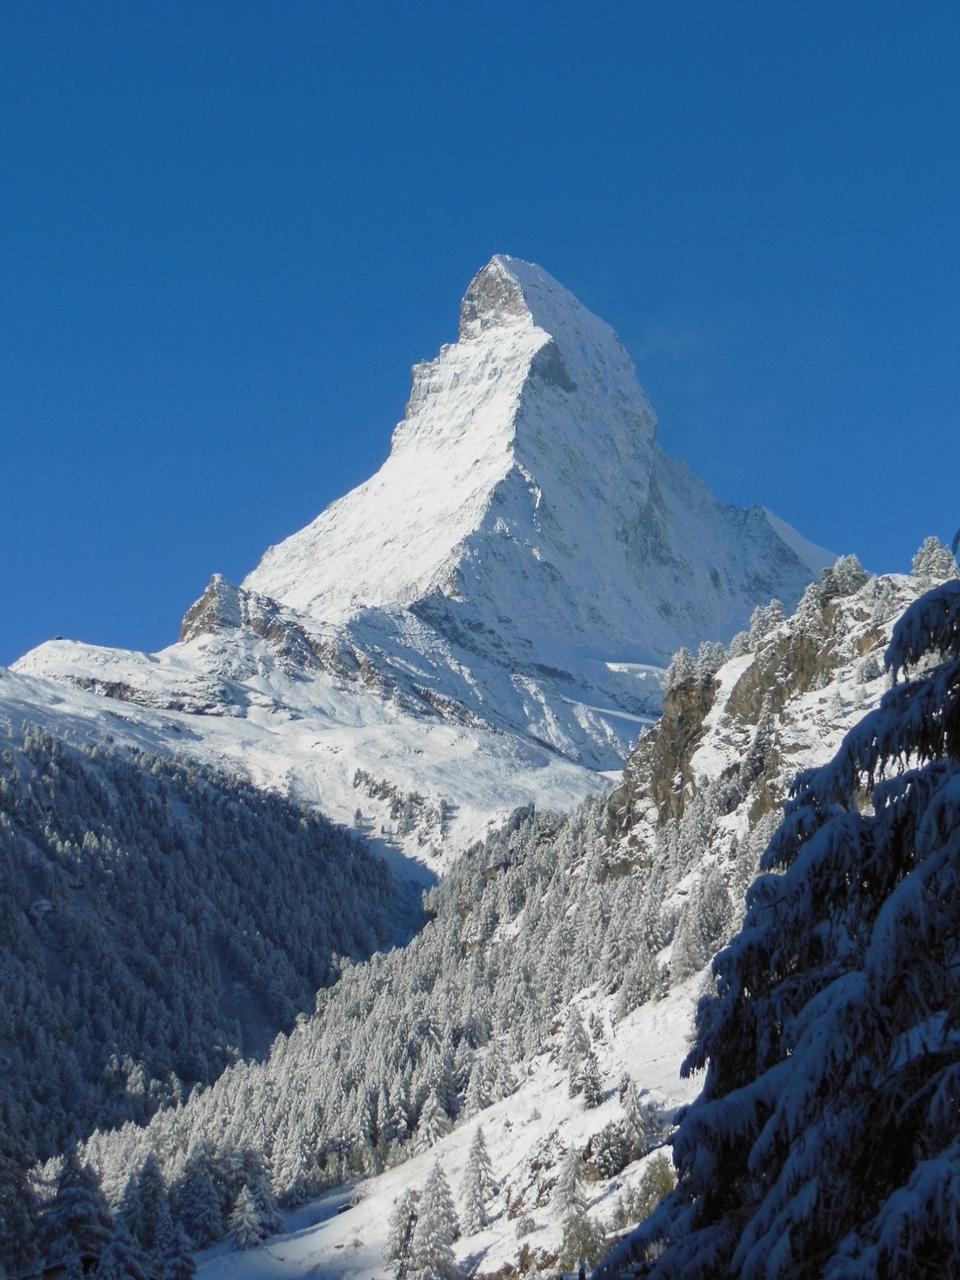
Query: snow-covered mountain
point(614, 911)
point(483, 623)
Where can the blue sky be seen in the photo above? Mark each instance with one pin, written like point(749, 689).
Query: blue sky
point(228, 229)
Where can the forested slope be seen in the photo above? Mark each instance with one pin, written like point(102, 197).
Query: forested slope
point(824, 1142)
point(158, 921)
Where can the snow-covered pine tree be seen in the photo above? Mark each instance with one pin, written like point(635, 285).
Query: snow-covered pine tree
point(641, 982)
point(438, 1194)
point(568, 1193)
point(478, 1147)
point(177, 1256)
point(477, 1187)
point(431, 1256)
point(844, 577)
point(244, 1224)
point(642, 1122)
point(576, 1045)
point(824, 1143)
point(199, 1203)
point(681, 669)
point(500, 1078)
point(123, 1259)
point(590, 1085)
point(764, 619)
point(433, 1125)
point(710, 658)
point(403, 1220)
point(477, 1097)
point(77, 1221)
point(262, 1192)
point(141, 1205)
point(933, 561)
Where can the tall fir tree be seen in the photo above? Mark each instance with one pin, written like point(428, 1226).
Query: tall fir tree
point(400, 1229)
point(590, 1086)
point(576, 1045)
point(245, 1224)
point(434, 1123)
point(568, 1193)
point(125, 1260)
point(77, 1221)
point(478, 1186)
point(436, 1229)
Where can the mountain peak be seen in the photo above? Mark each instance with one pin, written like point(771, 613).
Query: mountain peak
point(494, 297)
point(538, 392)
point(507, 291)
point(526, 507)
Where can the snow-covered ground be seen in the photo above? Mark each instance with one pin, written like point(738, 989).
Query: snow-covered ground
point(311, 746)
point(326, 1238)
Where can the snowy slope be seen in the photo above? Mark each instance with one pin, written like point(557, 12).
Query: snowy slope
point(816, 703)
point(549, 910)
point(320, 740)
point(480, 625)
point(524, 1134)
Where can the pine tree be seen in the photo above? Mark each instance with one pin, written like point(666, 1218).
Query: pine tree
point(436, 1229)
point(403, 1220)
point(844, 578)
point(123, 1259)
point(641, 982)
point(245, 1224)
point(710, 658)
point(434, 1123)
point(933, 561)
point(262, 1192)
point(142, 1202)
point(681, 669)
point(568, 1193)
point(576, 1046)
point(590, 1085)
point(18, 1211)
point(642, 1122)
point(583, 1241)
point(77, 1221)
point(764, 619)
point(177, 1256)
point(477, 1187)
point(824, 1142)
point(501, 1080)
point(200, 1211)
point(477, 1097)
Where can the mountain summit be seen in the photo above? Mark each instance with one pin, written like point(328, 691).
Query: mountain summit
point(486, 620)
point(525, 499)
point(535, 400)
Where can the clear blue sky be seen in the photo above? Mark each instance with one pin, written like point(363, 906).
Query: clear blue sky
point(228, 229)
